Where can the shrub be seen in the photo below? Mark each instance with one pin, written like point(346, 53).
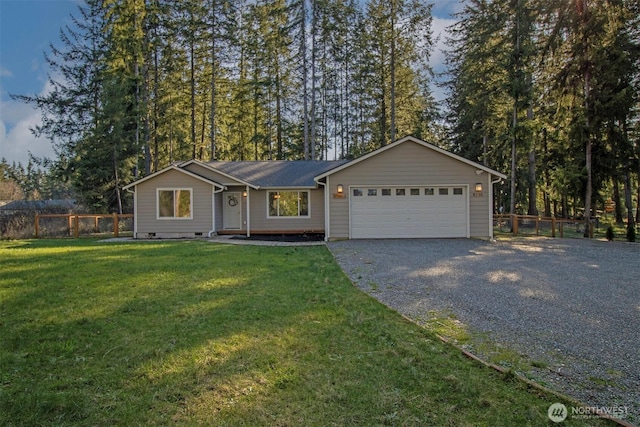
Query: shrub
point(610, 235)
point(19, 223)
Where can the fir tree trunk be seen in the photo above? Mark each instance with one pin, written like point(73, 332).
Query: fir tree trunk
point(617, 200)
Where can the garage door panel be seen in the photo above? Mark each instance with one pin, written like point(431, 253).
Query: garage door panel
point(408, 212)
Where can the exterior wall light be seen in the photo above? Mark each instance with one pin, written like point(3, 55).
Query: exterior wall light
point(479, 187)
point(340, 189)
point(244, 193)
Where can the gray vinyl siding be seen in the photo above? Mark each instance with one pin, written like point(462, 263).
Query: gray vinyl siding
point(218, 208)
point(409, 164)
point(261, 223)
point(146, 209)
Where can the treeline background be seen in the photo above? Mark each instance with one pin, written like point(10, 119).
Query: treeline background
point(544, 90)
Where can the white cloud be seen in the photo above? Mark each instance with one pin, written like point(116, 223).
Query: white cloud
point(447, 7)
point(437, 59)
point(440, 33)
point(5, 73)
point(16, 138)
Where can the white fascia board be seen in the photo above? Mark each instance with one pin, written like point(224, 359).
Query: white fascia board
point(176, 168)
point(417, 141)
point(238, 181)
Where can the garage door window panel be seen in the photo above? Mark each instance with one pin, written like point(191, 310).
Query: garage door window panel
point(409, 212)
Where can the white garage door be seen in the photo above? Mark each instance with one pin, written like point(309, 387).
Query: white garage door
point(408, 212)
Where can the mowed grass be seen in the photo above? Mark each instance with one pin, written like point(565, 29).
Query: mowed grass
point(195, 333)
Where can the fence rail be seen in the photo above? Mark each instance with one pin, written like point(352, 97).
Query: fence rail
point(557, 225)
point(73, 222)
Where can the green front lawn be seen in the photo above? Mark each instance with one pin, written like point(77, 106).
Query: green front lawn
point(190, 332)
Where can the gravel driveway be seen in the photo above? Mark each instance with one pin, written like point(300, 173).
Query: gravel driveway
point(571, 305)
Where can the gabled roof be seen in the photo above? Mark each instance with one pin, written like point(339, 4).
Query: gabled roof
point(276, 173)
point(175, 168)
point(209, 166)
point(294, 173)
point(417, 141)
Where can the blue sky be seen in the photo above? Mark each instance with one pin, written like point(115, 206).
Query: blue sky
point(27, 27)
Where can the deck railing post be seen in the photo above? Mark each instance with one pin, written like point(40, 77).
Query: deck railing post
point(553, 226)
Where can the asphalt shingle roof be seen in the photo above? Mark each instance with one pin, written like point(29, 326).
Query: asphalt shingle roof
point(279, 173)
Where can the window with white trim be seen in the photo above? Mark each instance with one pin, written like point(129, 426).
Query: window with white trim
point(288, 204)
point(174, 203)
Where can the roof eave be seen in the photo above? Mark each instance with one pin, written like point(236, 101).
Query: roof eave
point(176, 168)
point(212, 169)
point(417, 141)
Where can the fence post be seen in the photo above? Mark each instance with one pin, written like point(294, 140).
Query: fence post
point(514, 224)
point(553, 226)
point(37, 227)
point(77, 227)
point(537, 226)
point(562, 229)
point(115, 225)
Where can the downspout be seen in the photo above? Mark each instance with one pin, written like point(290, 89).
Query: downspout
point(135, 212)
point(326, 210)
point(213, 210)
point(248, 212)
point(497, 180)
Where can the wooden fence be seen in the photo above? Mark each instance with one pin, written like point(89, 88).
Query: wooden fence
point(73, 222)
point(557, 225)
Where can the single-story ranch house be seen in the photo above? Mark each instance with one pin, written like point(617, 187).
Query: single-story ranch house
point(407, 189)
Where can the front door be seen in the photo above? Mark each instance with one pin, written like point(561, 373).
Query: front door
point(232, 210)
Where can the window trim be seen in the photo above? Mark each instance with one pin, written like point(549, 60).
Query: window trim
point(308, 215)
point(174, 218)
